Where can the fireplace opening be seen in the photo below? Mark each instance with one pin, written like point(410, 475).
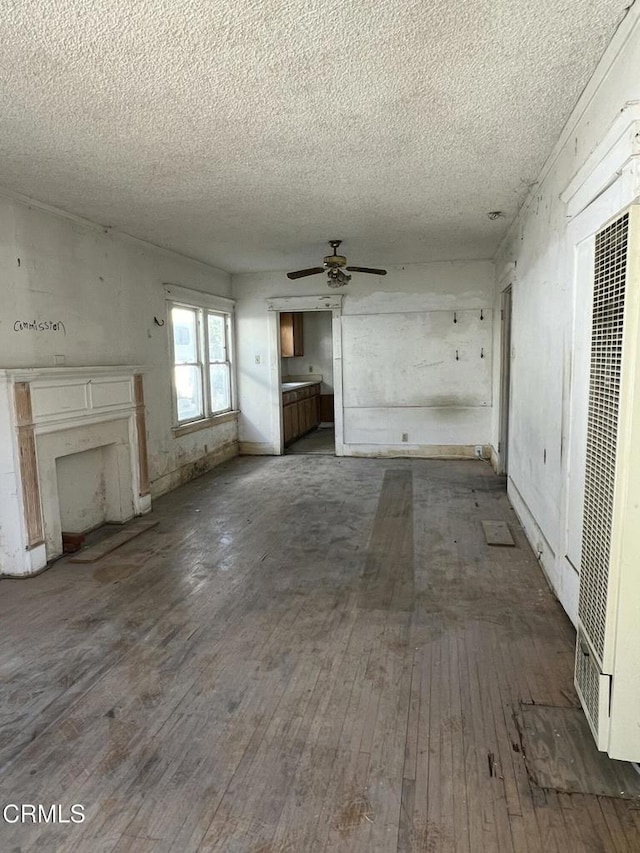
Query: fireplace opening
point(86, 479)
point(88, 491)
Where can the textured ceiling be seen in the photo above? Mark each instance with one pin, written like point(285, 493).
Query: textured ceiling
point(246, 134)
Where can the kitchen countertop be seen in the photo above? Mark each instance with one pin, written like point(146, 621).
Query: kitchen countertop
point(294, 386)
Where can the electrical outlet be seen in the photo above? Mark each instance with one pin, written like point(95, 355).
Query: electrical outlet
point(59, 359)
point(479, 451)
point(310, 368)
point(405, 436)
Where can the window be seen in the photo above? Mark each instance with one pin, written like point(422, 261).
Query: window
point(202, 368)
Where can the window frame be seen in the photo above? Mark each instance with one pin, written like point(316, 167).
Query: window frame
point(203, 305)
point(209, 312)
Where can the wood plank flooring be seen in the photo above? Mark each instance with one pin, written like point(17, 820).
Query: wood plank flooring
point(306, 654)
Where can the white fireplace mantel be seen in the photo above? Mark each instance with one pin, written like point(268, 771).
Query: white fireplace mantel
point(49, 412)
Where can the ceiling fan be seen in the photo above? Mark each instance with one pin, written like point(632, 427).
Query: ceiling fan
point(334, 264)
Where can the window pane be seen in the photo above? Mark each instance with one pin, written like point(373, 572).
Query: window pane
point(216, 338)
point(188, 392)
point(220, 387)
point(183, 321)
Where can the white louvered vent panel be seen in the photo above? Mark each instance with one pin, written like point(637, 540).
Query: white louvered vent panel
point(602, 426)
point(588, 681)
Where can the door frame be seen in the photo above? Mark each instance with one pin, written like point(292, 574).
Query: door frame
point(298, 304)
point(506, 316)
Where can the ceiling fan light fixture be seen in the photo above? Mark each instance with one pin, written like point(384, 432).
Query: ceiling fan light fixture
point(337, 278)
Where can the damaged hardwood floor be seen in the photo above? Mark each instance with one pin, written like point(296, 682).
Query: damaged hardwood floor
point(306, 654)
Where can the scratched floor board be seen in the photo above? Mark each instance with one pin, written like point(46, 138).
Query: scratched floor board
point(268, 756)
point(306, 654)
point(343, 748)
point(525, 830)
point(295, 722)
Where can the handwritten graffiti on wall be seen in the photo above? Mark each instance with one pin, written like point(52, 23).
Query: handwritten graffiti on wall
point(39, 326)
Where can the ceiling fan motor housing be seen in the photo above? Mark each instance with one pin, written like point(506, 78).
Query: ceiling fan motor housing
point(335, 261)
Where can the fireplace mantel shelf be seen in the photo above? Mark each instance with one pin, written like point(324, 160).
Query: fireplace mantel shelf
point(32, 374)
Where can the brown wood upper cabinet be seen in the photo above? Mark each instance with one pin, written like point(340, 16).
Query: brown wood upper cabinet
point(291, 339)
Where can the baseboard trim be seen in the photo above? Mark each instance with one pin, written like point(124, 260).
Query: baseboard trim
point(418, 451)
point(563, 583)
point(257, 448)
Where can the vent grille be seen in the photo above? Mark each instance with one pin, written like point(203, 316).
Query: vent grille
point(588, 681)
point(602, 426)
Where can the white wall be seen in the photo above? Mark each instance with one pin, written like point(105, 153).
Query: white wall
point(318, 350)
point(399, 356)
point(103, 290)
point(550, 322)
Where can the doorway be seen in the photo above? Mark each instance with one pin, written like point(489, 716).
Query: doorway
point(306, 381)
point(324, 365)
point(505, 380)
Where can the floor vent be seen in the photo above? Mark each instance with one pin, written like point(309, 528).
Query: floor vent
point(588, 681)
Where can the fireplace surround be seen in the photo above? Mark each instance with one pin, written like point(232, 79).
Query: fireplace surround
point(47, 414)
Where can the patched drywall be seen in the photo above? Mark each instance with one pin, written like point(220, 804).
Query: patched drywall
point(552, 291)
point(73, 294)
point(423, 359)
point(416, 356)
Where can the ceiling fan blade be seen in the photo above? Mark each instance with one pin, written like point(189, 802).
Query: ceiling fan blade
point(367, 269)
point(302, 273)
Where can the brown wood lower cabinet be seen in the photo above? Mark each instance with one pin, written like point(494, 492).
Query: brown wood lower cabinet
point(300, 411)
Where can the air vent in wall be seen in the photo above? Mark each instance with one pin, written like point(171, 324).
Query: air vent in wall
point(602, 428)
point(607, 675)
